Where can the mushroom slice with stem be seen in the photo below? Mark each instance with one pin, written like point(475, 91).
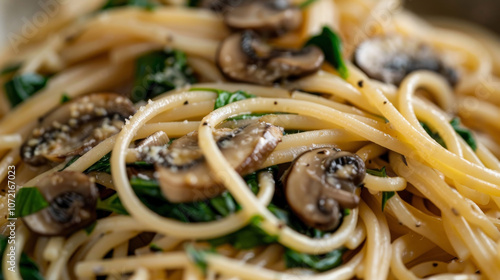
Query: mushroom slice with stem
point(76, 127)
point(183, 173)
point(245, 57)
point(72, 198)
point(322, 181)
point(391, 58)
point(266, 17)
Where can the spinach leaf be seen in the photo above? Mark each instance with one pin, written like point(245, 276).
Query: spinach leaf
point(146, 4)
point(70, 162)
point(10, 69)
point(465, 133)
point(102, 165)
point(198, 257)
point(433, 135)
point(377, 172)
point(247, 237)
point(112, 204)
point(193, 3)
point(64, 98)
point(89, 229)
point(319, 263)
point(22, 87)
point(381, 173)
point(292, 131)
point(385, 197)
point(29, 200)
point(160, 71)
point(331, 45)
point(27, 267)
point(226, 97)
point(284, 213)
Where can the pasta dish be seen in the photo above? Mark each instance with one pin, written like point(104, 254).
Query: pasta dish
point(249, 139)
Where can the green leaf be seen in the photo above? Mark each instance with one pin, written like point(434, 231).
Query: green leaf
point(306, 3)
point(89, 229)
point(292, 131)
point(193, 3)
point(224, 204)
point(225, 98)
point(385, 197)
point(319, 263)
point(29, 200)
point(331, 45)
point(160, 71)
point(27, 267)
point(146, 4)
point(70, 162)
point(346, 212)
point(155, 248)
point(10, 69)
point(377, 172)
point(433, 135)
point(64, 98)
point(112, 204)
point(198, 257)
point(247, 237)
point(465, 133)
point(22, 87)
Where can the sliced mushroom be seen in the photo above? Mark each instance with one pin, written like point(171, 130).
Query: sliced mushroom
point(391, 58)
point(322, 181)
point(72, 198)
point(266, 17)
point(245, 57)
point(183, 173)
point(76, 127)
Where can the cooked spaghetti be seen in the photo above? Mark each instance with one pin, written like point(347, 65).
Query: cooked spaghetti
point(326, 139)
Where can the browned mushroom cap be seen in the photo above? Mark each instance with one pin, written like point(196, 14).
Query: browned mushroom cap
point(244, 57)
point(322, 181)
point(183, 173)
point(72, 198)
point(76, 127)
point(269, 18)
point(391, 58)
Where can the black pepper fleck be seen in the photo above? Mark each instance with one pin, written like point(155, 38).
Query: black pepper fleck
point(385, 102)
point(186, 102)
point(275, 102)
point(205, 123)
point(321, 152)
point(404, 160)
point(360, 83)
point(434, 264)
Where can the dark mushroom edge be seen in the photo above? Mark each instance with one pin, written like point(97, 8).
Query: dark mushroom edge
point(320, 183)
point(72, 198)
point(391, 58)
point(245, 57)
point(183, 172)
point(76, 127)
